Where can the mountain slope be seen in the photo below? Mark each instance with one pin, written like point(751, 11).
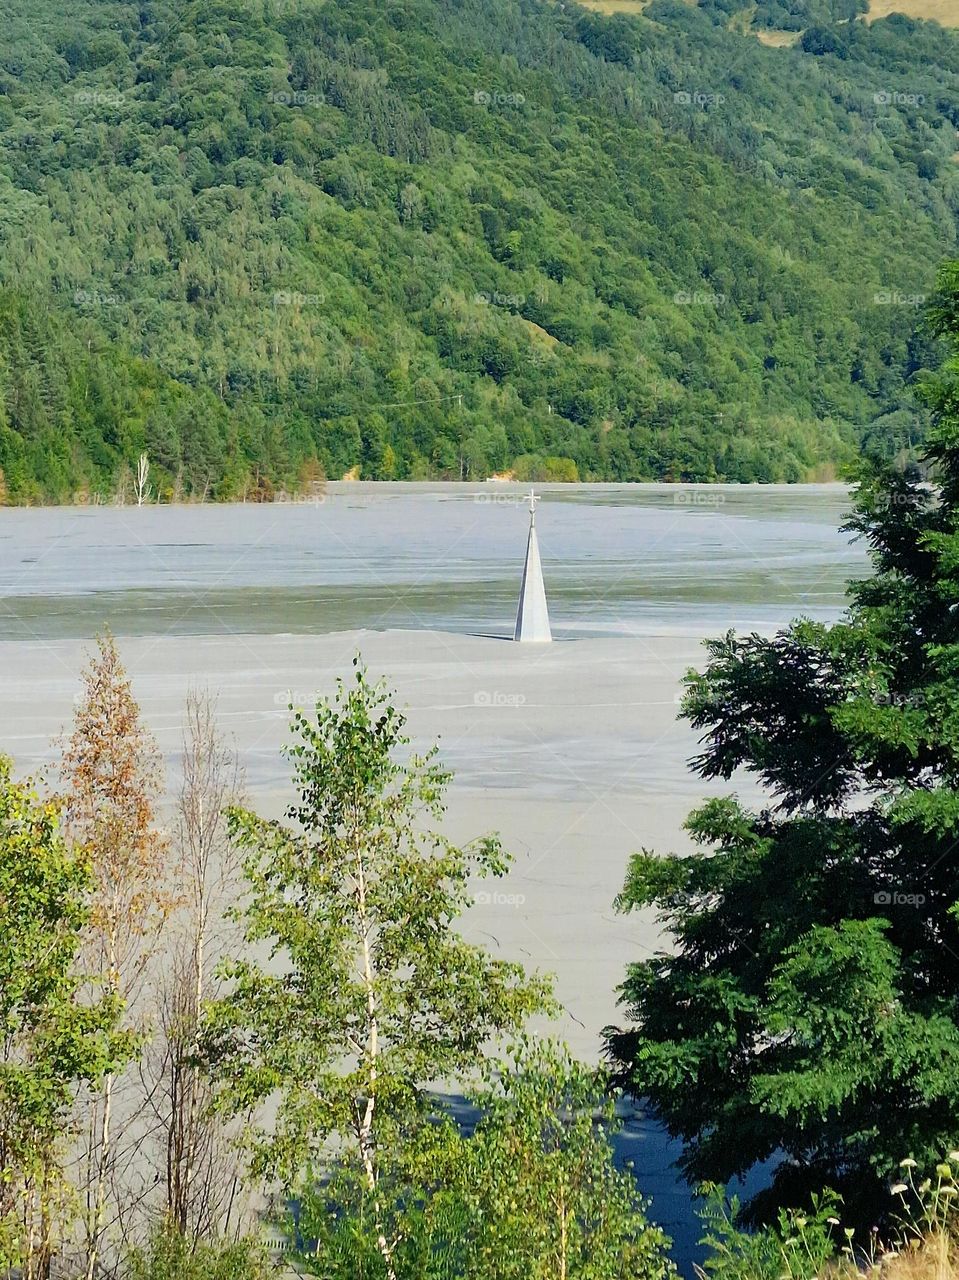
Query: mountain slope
point(440, 237)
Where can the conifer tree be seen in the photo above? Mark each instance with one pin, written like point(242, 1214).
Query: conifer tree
point(809, 1007)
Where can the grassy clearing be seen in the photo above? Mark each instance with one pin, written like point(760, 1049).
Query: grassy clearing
point(615, 6)
point(945, 12)
point(777, 39)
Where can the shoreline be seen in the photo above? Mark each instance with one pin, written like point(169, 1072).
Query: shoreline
point(458, 487)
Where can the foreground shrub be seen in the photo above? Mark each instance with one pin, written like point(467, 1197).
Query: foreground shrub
point(533, 1194)
point(170, 1256)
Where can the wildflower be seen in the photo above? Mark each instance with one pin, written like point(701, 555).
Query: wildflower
point(898, 1189)
point(908, 1163)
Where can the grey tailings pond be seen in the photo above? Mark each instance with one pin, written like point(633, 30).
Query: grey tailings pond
point(619, 560)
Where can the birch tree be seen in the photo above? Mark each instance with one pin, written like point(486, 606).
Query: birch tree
point(141, 481)
point(369, 995)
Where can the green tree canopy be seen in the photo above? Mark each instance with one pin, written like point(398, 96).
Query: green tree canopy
point(58, 1033)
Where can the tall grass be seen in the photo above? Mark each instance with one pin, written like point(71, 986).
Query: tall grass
point(921, 1243)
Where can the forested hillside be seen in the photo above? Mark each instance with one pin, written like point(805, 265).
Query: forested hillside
point(454, 237)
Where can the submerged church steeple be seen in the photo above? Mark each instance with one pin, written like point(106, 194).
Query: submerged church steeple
point(532, 616)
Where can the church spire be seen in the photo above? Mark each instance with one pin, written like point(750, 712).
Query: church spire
point(532, 616)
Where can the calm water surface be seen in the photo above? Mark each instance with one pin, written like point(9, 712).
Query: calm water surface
point(618, 560)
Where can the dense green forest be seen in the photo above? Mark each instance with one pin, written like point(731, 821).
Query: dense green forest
point(449, 238)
